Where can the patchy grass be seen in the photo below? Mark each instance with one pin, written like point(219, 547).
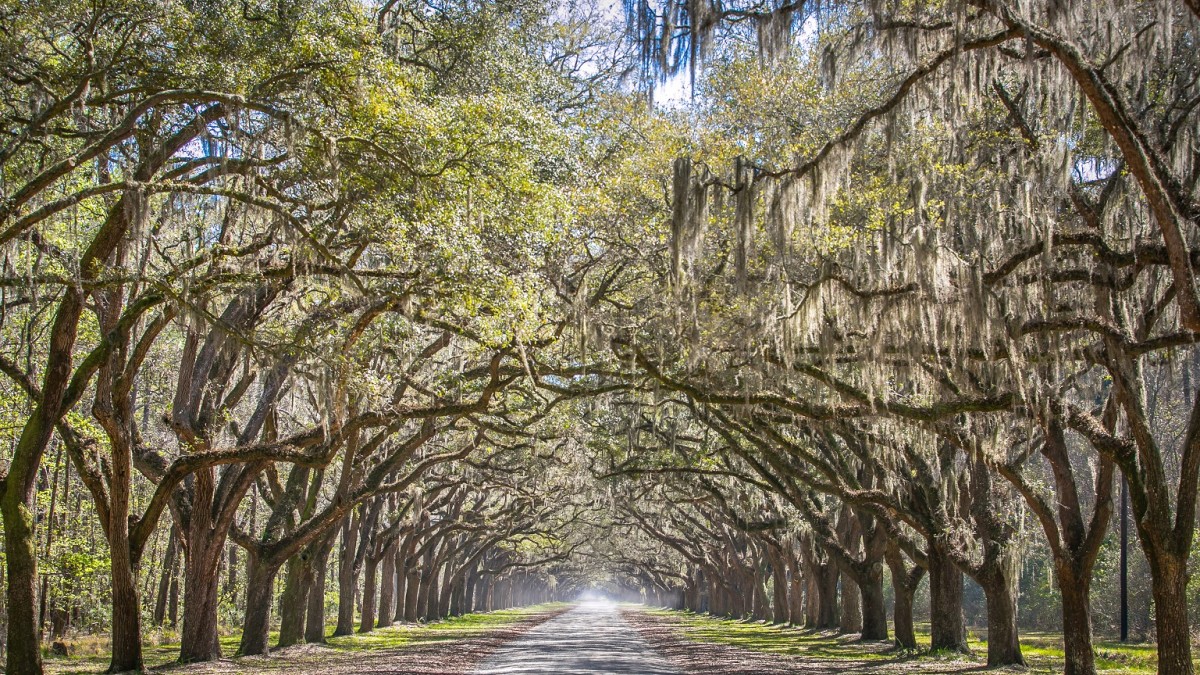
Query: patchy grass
point(453, 628)
point(1045, 651)
point(763, 637)
point(1042, 651)
point(90, 654)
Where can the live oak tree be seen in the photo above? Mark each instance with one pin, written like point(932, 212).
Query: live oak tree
point(425, 297)
point(112, 112)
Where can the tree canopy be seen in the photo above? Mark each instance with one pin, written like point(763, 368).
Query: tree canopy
point(452, 306)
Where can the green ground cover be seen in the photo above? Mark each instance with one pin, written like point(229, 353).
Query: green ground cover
point(90, 654)
point(1043, 651)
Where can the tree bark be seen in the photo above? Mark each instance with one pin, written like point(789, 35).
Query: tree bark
point(126, 609)
point(403, 553)
point(904, 584)
point(24, 652)
point(796, 592)
point(367, 623)
point(470, 589)
point(812, 599)
point(231, 566)
point(485, 590)
point(198, 641)
point(173, 603)
point(387, 587)
point(293, 603)
point(947, 629)
point(761, 611)
point(780, 609)
point(447, 591)
point(851, 619)
point(431, 597)
point(347, 574)
point(199, 636)
point(260, 591)
point(1004, 645)
point(1169, 574)
point(874, 610)
point(422, 608)
point(164, 584)
point(714, 595)
point(314, 624)
point(1077, 622)
point(412, 593)
point(827, 596)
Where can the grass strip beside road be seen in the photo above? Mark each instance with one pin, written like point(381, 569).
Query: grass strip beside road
point(1043, 651)
point(452, 645)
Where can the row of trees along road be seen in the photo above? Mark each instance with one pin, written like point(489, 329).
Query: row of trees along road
point(925, 268)
point(274, 270)
point(424, 303)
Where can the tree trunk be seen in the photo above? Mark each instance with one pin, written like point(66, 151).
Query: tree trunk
point(483, 590)
point(260, 593)
point(401, 582)
point(827, 596)
point(314, 623)
point(714, 596)
point(346, 575)
point(205, 546)
point(422, 609)
point(780, 609)
point(447, 589)
point(874, 611)
point(432, 598)
point(1003, 646)
point(812, 600)
point(173, 604)
point(904, 584)
point(126, 609)
point(1169, 575)
point(761, 611)
point(456, 596)
point(470, 586)
point(315, 617)
point(412, 593)
point(1077, 621)
point(293, 603)
point(851, 620)
point(796, 592)
point(946, 626)
point(367, 622)
point(198, 641)
point(387, 588)
point(164, 584)
point(24, 652)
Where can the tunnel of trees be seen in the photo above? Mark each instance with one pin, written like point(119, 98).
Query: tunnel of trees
point(318, 316)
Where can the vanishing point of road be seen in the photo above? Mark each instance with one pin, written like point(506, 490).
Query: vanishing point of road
point(590, 638)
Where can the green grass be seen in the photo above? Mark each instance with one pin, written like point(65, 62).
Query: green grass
point(453, 628)
point(1042, 651)
point(764, 637)
point(1045, 650)
point(90, 653)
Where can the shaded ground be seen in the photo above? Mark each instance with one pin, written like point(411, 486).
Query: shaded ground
point(591, 638)
point(698, 643)
point(452, 647)
point(604, 638)
point(701, 645)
